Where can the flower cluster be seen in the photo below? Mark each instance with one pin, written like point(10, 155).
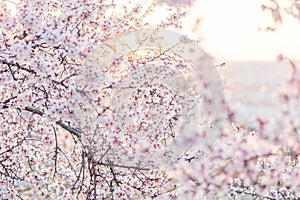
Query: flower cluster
point(74, 127)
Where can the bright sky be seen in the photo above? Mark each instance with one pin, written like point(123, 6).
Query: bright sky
point(230, 31)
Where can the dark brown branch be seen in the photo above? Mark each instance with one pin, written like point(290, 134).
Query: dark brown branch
point(15, 64)
point(34, 110)
point(70, 129)
point(5, 102)
point(80, 175)
point(55, 154)
point(123, 166)
point(114, 175)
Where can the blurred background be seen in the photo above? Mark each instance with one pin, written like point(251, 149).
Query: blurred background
point(246, 40)
point(237, 32)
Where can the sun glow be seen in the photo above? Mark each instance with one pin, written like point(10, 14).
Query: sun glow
point(230, 30)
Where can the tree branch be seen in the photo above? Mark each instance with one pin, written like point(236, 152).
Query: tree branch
point(70, 129)
point(15, 64)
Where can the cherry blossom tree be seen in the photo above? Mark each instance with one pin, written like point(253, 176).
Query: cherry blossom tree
point(63, 135)
point(87, 113)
